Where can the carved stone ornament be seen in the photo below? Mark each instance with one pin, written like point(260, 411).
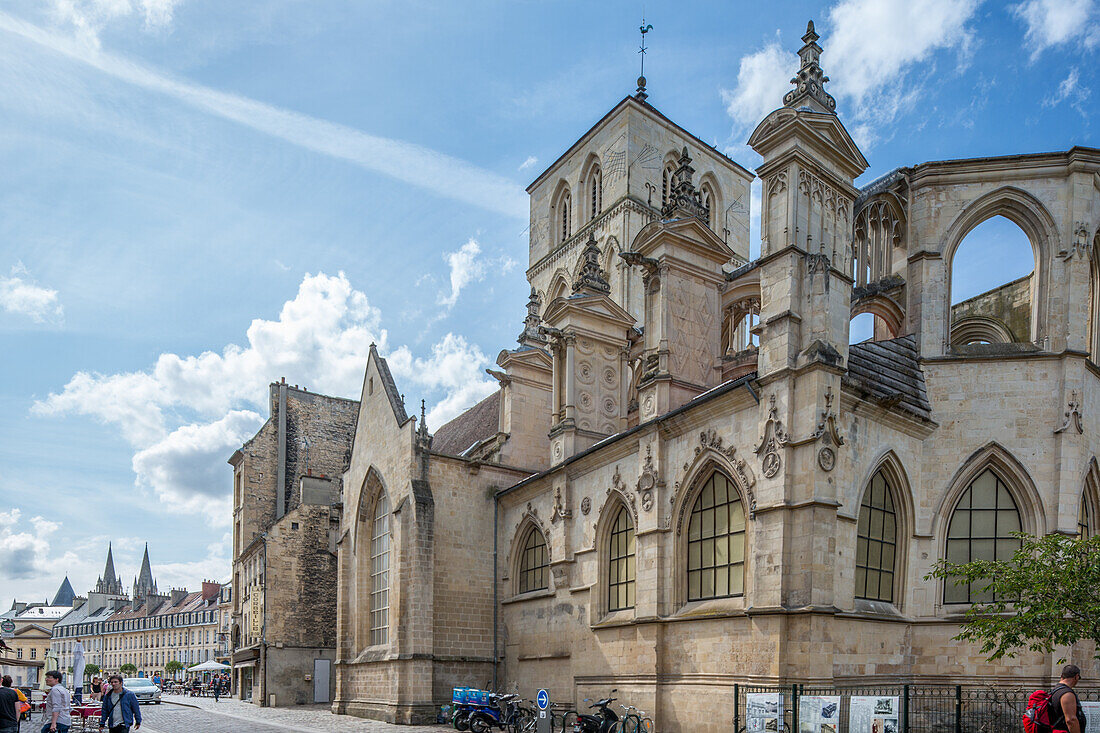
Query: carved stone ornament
point(774, 438)
point(647, 481)
point(1080, 244)
point(560, 512)
point(1073, 416)
point(828, 433)
point(586, 506)
point(818, 264)
point(617, 484)
point(710, 440)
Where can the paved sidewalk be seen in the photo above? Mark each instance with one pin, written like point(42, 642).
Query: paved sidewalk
point(304, 718)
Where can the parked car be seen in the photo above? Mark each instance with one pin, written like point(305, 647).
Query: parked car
point(143, 688)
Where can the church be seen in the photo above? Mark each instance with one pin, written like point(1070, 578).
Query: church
point(689, 479)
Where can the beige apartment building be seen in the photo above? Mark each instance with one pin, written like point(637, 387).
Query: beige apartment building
point(689, 478)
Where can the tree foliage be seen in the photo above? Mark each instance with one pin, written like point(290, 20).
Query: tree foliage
point(91, 669)
point(127, 668)
point(173, 666)
point(1047, 595)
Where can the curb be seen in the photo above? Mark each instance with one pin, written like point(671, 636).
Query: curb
point(181, 704)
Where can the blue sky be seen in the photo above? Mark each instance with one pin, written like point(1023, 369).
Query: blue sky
point(201, 197)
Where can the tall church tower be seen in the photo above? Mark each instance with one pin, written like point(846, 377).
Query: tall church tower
point(109, 582)
point(810, 162)
point(144, 585)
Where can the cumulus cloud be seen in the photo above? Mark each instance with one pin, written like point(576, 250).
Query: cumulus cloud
point(186, 414)
point(186, 468)
point(1054, 22)
point(871, 50)
point(467, 267)
point(24, 545)
point(762, 80)
point(456, 367)
point(20, 295)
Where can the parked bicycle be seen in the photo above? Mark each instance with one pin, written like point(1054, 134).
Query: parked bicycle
point(633, 721)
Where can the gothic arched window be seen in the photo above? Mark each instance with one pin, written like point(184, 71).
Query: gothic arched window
point(534, 563)
point(564, 206)
point(981, 529)
point(666, 183)
point(876, 542)
point(716, 542)
point(709, 203)
point(380, 572)
point(595, 192)
point(620, 563)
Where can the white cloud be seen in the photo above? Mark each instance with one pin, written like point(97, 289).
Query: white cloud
point(24, 546)
point(414, 164)
point(186, 468)
point(1053, 22)
point(20, 295)
point(531, 162)
point(185, 415)
point(456, 367)
point(1071, 89)
point(89, 17)
point(871, 48)
point(762, 80)
point(467, 267)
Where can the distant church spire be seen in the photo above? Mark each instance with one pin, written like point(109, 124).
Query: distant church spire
point(109, 582)
point(144, 584)
point(810, 81)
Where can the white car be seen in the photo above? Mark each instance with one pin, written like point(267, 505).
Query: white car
point(143, 688)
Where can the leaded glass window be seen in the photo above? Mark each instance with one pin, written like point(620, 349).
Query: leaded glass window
point(981, 529)
point(1084, 519)
point(380, 572)
point(620, 579)
point(876, 543)
point(716, 542)
point(534, 563)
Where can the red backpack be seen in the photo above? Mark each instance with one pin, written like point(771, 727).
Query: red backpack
point(1037, 715)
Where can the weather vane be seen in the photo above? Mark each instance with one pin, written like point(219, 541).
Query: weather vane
point(644, 28)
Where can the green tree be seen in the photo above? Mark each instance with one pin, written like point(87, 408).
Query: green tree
point(91, 669)
point(1047, 595)
point(173, 666)
point(127, 668)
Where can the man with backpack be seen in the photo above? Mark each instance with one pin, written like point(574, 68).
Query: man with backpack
point(1065, 708)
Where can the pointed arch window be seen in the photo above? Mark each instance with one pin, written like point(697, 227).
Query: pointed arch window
point(564, 205)
point(380, 572)
point(981, 529)
point(534, 563)
point(876, 542)
point(716, 542)
point(1084, 519)
point(595, 192)
point(620, 563)
point(708, 202)
point(666, 183)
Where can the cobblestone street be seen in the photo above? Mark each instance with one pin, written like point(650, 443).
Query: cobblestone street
point(203, 715)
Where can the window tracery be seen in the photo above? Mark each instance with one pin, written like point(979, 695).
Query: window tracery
point(716, 542)
point(876, 542)
point(879, 229)
point(621, 562)
point(380, 572)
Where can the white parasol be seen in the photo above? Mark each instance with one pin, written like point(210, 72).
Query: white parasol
point(210, 666)
point(78, 666)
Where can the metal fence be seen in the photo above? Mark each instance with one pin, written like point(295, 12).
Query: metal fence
point(923, 708)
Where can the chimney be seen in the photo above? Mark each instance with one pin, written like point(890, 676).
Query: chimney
point(178, 594)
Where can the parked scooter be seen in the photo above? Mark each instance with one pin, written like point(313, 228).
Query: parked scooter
point(602, 721)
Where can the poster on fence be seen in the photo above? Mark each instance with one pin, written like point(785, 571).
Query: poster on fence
point(873, 715)
point(818, 714)
point(765, 712)
point(1092, 716)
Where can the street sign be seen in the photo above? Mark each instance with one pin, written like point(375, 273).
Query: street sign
point(543, 721)
point(7, 626)
point(543, 700)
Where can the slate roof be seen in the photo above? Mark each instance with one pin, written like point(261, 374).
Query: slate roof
point(889, 372)
point(65, 595)
point(473, 426)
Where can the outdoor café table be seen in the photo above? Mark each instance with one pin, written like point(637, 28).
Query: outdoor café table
point(88, 715)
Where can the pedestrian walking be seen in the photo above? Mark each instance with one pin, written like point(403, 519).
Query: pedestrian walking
point(217, 683)
point(120, 708)
point(1066, 714)
point(58, 702)
point(9, 706)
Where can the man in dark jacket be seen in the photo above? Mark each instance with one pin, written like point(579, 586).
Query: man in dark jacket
point(9, 707)
point(120, 708)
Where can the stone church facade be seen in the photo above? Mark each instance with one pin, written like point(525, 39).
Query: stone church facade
point(688, 478)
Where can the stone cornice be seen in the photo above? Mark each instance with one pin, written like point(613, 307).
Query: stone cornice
point(562, 251)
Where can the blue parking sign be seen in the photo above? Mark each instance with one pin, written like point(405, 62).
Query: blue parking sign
point(543, 700)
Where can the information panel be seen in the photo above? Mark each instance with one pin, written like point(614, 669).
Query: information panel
point(818, 714)
point(1092, 716)
point(874, 715)
point(765, 711)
